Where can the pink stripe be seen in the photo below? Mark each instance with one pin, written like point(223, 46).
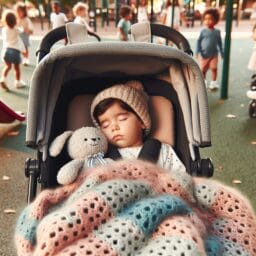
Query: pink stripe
point(182, 227)
point(24, 248)
point(90, 245)
point(71, 223)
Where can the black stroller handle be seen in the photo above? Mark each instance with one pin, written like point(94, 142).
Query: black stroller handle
point(173, 35)
point(52, 37)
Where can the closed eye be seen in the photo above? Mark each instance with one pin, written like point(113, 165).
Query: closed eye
point(104, 124)
point(122, 117)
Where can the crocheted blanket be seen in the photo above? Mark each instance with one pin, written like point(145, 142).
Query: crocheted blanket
point(137, 208)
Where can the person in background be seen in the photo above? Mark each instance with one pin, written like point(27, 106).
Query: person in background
point(253, 14)
point(57, 17)
point(124, 23)
point(209, 45)
point(27, 26)
point(80, 11)
point(143, 11)
point(12, 48)
point(167, 14)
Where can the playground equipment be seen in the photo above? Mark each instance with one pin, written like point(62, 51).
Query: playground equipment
point(8, 115)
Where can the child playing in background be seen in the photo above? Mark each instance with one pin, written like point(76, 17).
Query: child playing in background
point(253, 14)
point(209, 44)
point(124, 23)
point(57, 17)
point(26, 24)
point(121, 112)
point(167, 14)
point(252, 66)
point(12, 48)
point(143, 11)
point(80, 11)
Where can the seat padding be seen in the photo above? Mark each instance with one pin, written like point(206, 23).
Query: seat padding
point(160, 108)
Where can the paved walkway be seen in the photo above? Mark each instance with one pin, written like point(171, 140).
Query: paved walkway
point(242, 30)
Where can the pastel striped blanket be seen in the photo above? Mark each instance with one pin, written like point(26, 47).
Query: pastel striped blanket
point(137, 208)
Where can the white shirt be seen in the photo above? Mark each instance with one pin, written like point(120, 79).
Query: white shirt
point(26, 23)
point(142, 14)
point(58, 20)
point(82, 21)
point(168, 19)
point(167, 157)
point(11, 38)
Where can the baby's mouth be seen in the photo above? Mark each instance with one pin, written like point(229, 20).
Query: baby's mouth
point(117, 137)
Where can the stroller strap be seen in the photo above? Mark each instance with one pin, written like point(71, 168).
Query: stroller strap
point(150, 151)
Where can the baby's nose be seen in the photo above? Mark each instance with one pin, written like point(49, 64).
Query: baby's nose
point(115, 127)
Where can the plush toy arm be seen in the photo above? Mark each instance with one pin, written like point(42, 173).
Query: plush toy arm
point(59, 142)
point(68, 173)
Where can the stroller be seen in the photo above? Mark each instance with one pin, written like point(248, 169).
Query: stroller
point(251, 94)
point(66, 80)
point(127, 207)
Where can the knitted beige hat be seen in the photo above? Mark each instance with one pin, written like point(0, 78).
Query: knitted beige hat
point(132, 93)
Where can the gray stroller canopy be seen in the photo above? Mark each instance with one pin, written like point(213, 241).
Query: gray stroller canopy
point(85, 60)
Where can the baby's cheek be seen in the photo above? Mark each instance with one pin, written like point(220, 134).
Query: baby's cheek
point(107, 134)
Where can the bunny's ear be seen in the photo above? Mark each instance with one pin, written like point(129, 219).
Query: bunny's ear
point(58, 143)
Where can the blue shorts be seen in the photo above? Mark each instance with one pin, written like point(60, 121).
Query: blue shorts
point(12, 56)
point(25, 39)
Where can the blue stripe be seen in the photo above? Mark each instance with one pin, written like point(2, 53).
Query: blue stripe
point(213, 246)
point(148, 213)
point(26, 227)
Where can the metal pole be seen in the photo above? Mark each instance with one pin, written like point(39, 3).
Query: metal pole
point(116, 12)
point(152, 11)
point(225, 70)
point(137, 7)
point(173, 6)
point(38, 2)
point(95, 15)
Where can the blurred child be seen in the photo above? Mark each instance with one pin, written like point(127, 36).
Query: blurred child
point(252, 66)
point(12, 48)
point(253, 14)
point(143, 11)
point(124, 23)
point(80, 11)
point(209, 44)
point(167, 14)
point(26, 24)
point(57, 17)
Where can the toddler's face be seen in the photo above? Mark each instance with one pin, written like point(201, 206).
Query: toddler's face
point(121, 127)
point(55, 8)
point(128, 16)
point(82, 12)
point(209, 21)
point(20, 13)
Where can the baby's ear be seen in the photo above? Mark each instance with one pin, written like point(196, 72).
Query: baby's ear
point(58, 143)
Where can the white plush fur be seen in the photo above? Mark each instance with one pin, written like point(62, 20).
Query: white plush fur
point(82, 143)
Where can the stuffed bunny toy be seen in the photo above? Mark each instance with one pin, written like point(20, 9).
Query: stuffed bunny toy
point(86, 146)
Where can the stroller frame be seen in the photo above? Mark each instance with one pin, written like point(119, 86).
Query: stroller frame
point(81, 66)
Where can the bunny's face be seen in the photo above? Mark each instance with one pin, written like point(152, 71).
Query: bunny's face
point(86, 141)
